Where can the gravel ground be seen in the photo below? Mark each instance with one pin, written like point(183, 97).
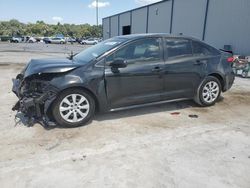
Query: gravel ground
point(146, 147)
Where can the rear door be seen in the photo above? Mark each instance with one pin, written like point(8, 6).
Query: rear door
point(142, 80)
point(205, 55)
point(182, 72)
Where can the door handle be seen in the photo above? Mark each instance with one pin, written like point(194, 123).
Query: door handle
point(157, 69)
point(199, 62)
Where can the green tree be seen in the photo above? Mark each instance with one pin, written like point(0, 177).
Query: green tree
point(40, 28)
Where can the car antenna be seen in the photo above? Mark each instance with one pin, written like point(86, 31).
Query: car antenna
point(71, 55)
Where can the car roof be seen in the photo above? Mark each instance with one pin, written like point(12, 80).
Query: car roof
point(138, 36)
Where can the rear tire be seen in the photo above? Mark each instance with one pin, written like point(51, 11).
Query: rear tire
point(73, 108)
point(208, 92)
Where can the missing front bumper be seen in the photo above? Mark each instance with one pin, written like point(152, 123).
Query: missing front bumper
point(33, 105)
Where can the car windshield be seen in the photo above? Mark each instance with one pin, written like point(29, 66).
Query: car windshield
point(94, 52)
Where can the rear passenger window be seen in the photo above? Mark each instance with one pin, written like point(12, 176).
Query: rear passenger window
point(178, 47)
point(200, 49)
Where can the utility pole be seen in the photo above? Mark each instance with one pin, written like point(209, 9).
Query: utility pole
point(97, 12)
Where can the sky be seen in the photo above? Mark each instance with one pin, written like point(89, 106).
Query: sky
point(64, 11)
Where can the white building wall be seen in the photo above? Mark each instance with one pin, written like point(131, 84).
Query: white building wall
point(228, 23)
point(139, 21)
point(124, 21)
point(159, 17)
point(188, 17)
point(105, 27)
point(114, 26)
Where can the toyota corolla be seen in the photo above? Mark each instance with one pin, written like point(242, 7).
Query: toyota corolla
point(120, 73)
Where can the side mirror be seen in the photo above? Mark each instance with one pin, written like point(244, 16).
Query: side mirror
point(118, 63)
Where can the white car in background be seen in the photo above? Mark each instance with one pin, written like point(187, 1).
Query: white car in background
point(89, 41)
point(57, 41)
point(32, 40)
point(16, 40)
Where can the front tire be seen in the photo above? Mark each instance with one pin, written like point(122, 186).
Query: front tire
point(209, 92)
point(73, 108)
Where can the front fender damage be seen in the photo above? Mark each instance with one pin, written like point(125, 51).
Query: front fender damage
point(35, 98)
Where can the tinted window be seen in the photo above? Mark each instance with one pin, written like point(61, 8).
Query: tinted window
point(141, 50)
point(200, 49)
point(178, 47)
point(203, 49)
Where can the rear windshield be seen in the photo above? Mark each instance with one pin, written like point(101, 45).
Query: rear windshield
point(97, 50)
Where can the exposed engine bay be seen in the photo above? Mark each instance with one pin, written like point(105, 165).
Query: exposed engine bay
point(35, 96)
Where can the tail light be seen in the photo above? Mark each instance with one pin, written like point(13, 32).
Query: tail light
point(230, 59)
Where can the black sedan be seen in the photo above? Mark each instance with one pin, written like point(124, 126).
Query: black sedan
point(120, 73)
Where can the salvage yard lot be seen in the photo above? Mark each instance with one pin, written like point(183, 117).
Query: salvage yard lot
point(146, 147)
point(23, 52)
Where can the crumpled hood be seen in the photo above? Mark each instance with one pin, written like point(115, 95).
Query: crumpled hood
point(36, 66)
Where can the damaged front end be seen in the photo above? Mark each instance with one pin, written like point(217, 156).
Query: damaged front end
point(35, 96)
point(34, 89)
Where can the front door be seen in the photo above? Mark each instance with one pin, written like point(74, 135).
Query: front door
point(141, 81)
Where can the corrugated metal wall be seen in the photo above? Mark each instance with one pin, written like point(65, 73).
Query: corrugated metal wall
point(124, 21)
point(159, 17)
point(105, 27)
point(188, 17)
point(114, 26)
point(228, 22)
point(139, 21)
point(218, 22)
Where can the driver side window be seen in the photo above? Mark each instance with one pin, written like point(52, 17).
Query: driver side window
point(141, 51)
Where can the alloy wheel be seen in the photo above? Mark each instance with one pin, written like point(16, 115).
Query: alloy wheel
point(74, 108)
point(210, 92)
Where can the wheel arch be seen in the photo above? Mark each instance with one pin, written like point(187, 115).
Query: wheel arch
point(91, 93)
point(97, 104)
point(197, 97)
point(220, 78)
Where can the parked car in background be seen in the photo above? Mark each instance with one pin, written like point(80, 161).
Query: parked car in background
point(79, 40)
point(32, 40)
point(71, 40)
point(120, 73)
point(56, 41)
point(46, 40)
point(16, 39)
point(5, 38)
point(100, 39)
point(39, 39)
point(90, 41)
